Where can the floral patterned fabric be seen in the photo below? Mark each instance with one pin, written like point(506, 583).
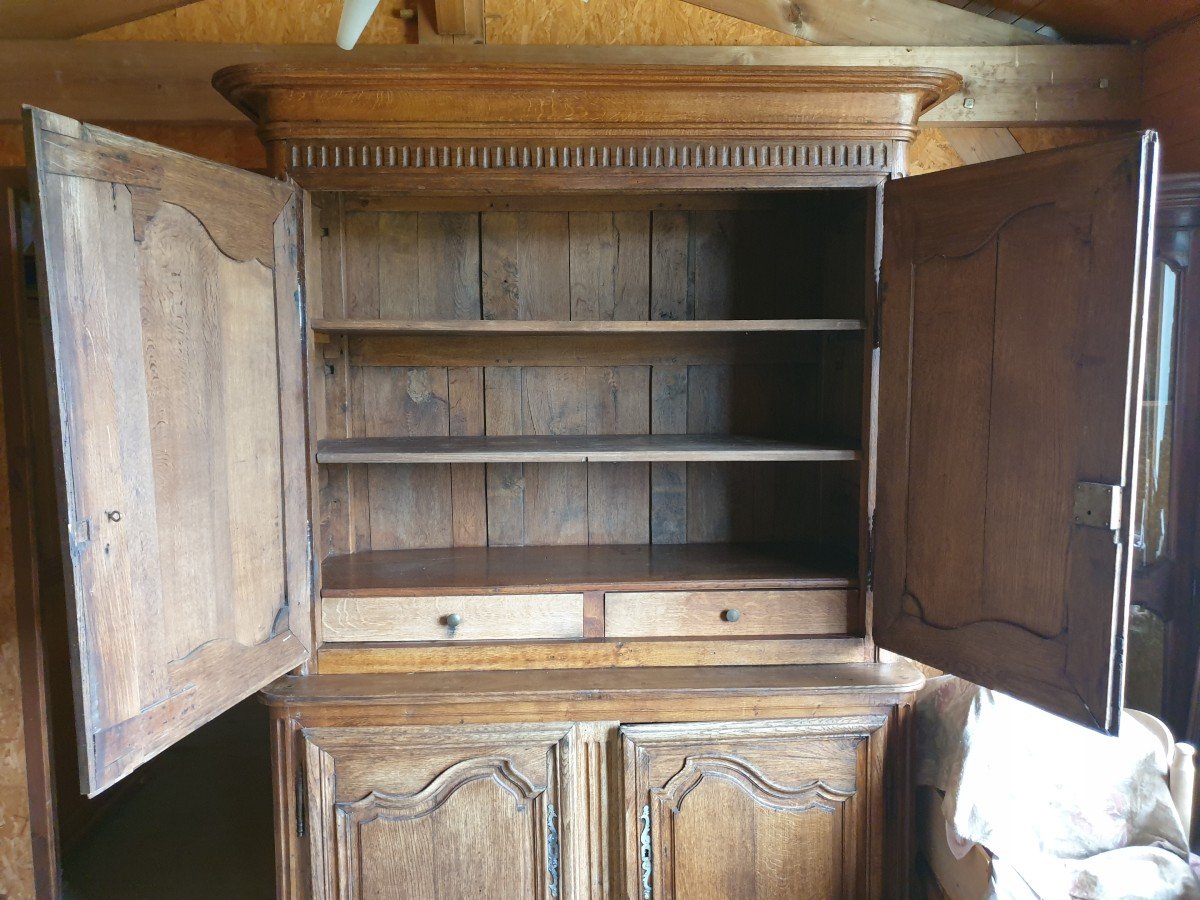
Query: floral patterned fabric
point(1065, 811)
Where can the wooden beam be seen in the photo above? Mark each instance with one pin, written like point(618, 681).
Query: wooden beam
point(926, 23)
point(138, 81)
point(25, 19)
point(451, 16)
point(450, 21)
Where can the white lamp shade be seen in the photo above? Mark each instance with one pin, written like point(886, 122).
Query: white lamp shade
point(355, 15)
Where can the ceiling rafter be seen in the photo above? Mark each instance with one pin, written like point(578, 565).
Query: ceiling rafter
point(1056, 84)
point(32, 19)
point(925, 23)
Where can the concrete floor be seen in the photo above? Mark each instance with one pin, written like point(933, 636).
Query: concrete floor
point(198, 826)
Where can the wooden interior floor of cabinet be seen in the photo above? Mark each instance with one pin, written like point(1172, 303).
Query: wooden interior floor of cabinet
point(584, 567)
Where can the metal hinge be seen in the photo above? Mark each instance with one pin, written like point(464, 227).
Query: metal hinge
point(1098, 505)
point(301, 803)
point(877, 325)
point(871, 551)
point(300, 310)
point(552, 848)
point(79, 533)
point(647, 853)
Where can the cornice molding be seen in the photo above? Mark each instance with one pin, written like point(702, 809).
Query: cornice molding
point(616, 120)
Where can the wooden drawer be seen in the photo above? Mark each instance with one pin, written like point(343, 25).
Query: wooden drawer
point(483, 618)
point(712, 613)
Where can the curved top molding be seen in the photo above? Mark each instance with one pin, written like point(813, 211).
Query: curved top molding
point(591, 118)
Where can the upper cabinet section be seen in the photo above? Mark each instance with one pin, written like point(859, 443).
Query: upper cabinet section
point(460, 127)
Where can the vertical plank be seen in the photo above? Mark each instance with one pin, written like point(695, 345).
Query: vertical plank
point(610, 279)
point(710, 488)
point(505, 482)
point(670, 300)
point(618, 507)
point(467, 482)
point(668, 481)
point(411, 505)
point(325, 281)
point(712, 263)
point(414, 266)
point(360, 290)
point(609, 265)
point(556, 494)
point(447, 267)
point(525, 274)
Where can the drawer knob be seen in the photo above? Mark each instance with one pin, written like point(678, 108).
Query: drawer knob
point(731, 615)
point(453, 621)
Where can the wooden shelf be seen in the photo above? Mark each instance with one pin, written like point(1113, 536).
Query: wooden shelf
point(361, 327)
point(577, 448)
point(488, 570)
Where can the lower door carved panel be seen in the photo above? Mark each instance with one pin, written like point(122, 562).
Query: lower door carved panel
point(754, 809)
point(437, 813)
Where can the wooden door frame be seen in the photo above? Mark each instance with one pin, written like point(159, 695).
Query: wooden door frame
point(21, 447)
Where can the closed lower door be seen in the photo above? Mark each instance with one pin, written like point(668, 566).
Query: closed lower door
point(754, 810)
point(437, 813)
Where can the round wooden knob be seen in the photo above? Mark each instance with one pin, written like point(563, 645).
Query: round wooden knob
point(731, 615)
point(453, 620)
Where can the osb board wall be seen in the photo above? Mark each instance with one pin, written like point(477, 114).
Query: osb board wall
point(16, 860)
point(255, 22)
point(671, 22)
point(619, 22)
point(506, 22)
point(1171, 95)
point(931, 152)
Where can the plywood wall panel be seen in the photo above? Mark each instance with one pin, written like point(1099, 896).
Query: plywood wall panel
point(16, 849)
point(620, 22)
point(252, 22)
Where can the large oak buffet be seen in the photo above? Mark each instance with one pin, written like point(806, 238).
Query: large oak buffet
point(556, 447)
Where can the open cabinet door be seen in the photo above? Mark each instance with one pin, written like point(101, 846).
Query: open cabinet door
point(174, 327)
point(1012, 344)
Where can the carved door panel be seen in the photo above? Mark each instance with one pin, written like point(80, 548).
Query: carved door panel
point(176, 361)
point(1011, 357)
point(754, 810)
point(439, 813)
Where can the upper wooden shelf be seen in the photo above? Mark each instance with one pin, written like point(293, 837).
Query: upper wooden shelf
point(367, 327)
point(468, 570)
point(577, 448)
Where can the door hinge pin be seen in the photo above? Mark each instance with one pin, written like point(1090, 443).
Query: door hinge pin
point(300, 801)
point(871, 551)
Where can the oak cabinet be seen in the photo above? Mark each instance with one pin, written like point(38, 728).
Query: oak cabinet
point(438, 812)
point(768, 782)
point(763, 809)
point(599, 394)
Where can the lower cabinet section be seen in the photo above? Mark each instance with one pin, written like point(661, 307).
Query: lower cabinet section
point(753, 809)
point(441, 812)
